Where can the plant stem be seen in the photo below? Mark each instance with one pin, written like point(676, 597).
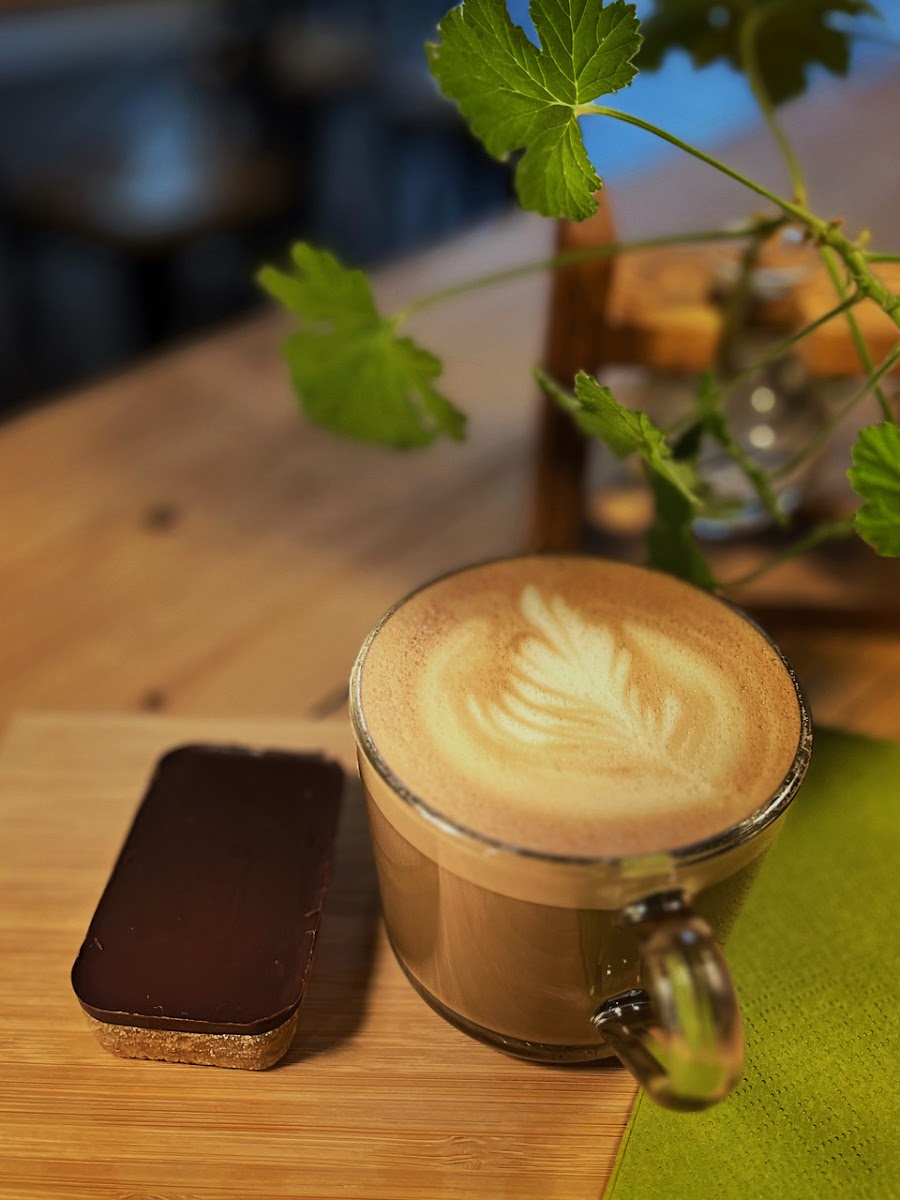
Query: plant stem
point(824, 232)
point(794, 210)
point(782, 348)
point(825, 432)
point(750, 62)
point(735, 315)
point(827, 233)
point(862, 350)
point(573, 257)
point(873, 256)
point(760, 480)
point(828, 531)
point(735, 309)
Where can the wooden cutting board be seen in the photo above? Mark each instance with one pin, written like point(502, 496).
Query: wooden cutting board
point(378, 1096)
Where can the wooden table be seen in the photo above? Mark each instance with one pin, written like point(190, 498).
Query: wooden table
point(377, 1098)
point(177, 541)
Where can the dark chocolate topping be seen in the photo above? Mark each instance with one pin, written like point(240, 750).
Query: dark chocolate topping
point(209, 918)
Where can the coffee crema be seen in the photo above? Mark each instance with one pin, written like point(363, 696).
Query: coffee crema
point(579, 707)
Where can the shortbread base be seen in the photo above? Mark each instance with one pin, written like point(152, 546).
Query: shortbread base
point(242, 1051)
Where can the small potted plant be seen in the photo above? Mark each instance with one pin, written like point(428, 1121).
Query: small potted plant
point(356, 372)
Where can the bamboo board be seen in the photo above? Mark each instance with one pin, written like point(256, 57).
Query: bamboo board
point(378, 1097)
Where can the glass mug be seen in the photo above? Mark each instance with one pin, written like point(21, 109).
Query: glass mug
point(561, 958)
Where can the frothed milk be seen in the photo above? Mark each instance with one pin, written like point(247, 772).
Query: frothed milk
point(547, 744)
point(579, 707)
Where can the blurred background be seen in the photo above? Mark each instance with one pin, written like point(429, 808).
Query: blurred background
point(154, 152)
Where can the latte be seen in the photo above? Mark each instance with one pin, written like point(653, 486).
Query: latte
point(578, 707)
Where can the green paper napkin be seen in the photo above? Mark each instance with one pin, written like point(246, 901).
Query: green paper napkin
point(816, 961)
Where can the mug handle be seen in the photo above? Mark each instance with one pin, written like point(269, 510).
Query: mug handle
point(681, 1036)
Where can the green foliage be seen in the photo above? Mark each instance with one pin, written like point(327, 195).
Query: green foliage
point(875, 476)
point(350, 370)
point(713, 421)
point(356, 375)
point(671, 544)
point(518, 97)
point(624, 430)
point(791, 36)
point(628, 431)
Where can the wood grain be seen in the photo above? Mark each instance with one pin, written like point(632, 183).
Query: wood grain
point(378, 1096)
point(177, 539)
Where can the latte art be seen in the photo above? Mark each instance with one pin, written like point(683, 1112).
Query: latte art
point(579, 706)
point(574, 693)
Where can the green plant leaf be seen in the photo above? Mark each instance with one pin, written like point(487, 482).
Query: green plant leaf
point(875, 476)
point(625, 431)
point(714, 422)
point(629, 431)
point(520, 97)
point(671, 545)
point(792, 36)
point(351, 372)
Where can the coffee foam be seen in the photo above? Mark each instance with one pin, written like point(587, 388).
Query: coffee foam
point(577, 706)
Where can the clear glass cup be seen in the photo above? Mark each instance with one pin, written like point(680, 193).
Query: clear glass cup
point(564, 959)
